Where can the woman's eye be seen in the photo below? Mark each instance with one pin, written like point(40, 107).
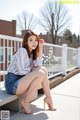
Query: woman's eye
point(30, 39)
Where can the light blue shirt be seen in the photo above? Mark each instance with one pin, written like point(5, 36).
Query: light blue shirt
point(21, 64)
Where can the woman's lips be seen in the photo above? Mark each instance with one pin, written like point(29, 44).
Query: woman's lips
point(34, 46)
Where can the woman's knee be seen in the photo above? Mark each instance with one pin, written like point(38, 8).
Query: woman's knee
point(45, 70)
point(41, 73)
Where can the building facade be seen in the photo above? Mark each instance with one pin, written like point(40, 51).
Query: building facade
point(8, 27)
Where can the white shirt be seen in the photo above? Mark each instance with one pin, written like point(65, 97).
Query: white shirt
point(21, 63)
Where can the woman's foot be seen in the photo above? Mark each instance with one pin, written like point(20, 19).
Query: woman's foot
point(49, 102)
point(26, 106)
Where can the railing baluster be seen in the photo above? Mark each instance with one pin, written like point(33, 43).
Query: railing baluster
point(4, 58)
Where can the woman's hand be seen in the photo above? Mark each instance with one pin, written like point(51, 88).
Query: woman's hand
point(41, 43)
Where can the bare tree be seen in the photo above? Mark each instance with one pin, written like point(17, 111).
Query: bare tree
point(26, 21)
point(54, 19)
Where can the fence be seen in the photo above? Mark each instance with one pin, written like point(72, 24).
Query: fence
point(57, 59)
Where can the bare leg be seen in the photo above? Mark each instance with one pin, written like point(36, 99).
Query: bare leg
point(46, 88)
point(33, 86)
point(45, 84)
point(25, 81)
point(42, 79)
point(30, 89)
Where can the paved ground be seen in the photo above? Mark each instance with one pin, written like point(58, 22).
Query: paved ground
point(66, 98)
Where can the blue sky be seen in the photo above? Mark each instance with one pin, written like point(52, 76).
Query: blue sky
point(9, 9)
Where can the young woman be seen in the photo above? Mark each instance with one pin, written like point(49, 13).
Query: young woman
point(25, 73)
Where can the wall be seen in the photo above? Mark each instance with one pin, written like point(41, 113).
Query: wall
point(8, 28)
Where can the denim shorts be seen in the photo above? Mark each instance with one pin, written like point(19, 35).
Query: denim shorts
point(11, 82)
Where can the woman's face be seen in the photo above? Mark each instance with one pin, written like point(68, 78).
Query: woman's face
point(32, 42)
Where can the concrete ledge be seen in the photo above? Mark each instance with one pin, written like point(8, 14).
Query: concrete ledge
point(10, 102)
point(14, 105)
point(5, 97)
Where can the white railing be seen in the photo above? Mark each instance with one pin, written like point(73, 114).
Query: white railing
point(52, 59)
point(57, 59)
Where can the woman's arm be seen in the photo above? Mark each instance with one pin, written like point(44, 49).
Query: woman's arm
point(38, 61)
point(41, 43)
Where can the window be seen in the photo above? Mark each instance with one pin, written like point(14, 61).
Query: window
point(9, 54)
point(1, 55)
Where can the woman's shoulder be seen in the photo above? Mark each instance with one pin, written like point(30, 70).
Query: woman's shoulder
point(22, 50)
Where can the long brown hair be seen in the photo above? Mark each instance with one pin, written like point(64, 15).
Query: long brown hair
point(25, 40)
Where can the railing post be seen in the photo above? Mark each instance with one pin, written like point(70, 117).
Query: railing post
point(64, 58)
point(78, 57)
